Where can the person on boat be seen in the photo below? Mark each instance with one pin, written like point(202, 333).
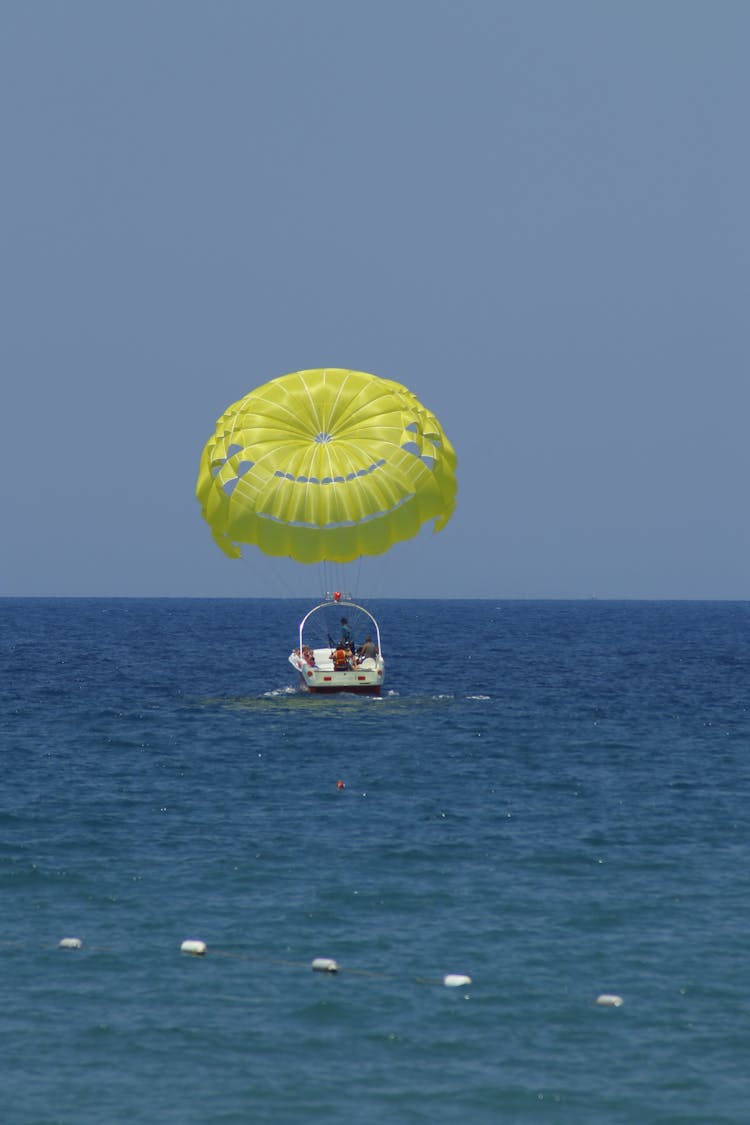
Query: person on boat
point(341, 659)
point(346, 635)
point(368, 649)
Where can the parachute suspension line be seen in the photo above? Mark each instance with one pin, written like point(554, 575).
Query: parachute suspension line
point(285, 589)
point(328, 579)
point(342, 577)
point(289, 590)
point(358, 575)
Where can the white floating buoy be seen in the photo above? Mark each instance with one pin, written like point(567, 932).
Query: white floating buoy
point(325, 965)
point(197, 948)
point(456, 980)
point(609, 1000)
point(71, 943)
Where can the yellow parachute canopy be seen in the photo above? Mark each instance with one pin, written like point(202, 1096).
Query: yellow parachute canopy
point(325, 465)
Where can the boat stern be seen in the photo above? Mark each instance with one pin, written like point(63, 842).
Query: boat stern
point(318, 675)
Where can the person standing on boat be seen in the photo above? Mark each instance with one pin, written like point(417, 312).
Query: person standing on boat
point(346, 635)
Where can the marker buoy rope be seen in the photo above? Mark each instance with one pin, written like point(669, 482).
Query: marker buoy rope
point(195, 947)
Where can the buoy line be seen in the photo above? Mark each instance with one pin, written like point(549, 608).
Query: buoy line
point(195, 947)
point(321, 965)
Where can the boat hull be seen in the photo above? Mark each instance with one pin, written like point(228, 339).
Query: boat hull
point(327, 681)
point(374, 690)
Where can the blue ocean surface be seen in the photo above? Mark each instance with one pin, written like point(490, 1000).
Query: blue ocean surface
point(552, 798)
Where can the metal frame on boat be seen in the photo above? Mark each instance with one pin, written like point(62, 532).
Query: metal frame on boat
point(322, 672)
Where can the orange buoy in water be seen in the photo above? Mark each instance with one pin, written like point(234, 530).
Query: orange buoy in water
point(340, 785)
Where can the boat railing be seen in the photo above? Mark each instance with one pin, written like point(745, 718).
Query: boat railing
point(338, 603)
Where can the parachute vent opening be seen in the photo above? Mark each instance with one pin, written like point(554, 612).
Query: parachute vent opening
point(411, 447)
point(302, 479)
point(323, 437)
point(242, 467)
point(334, 525)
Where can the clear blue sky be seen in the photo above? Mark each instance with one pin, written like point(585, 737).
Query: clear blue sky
point(534, 214)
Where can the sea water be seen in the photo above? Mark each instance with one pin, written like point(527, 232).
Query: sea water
point(551, 798)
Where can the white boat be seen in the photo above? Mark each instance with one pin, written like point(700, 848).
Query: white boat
point(326, 665)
